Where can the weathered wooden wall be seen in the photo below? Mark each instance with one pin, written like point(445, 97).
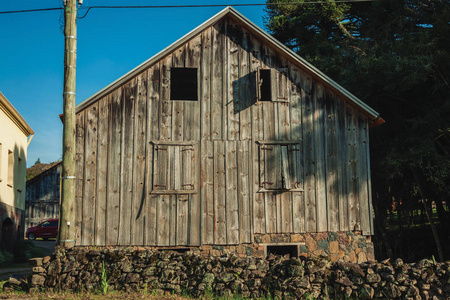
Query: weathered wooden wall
point(42, 196)
point(121, 136)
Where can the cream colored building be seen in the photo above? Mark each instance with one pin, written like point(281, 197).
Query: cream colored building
point(15, 136)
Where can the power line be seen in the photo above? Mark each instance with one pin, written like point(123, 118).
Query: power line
point(183, 6)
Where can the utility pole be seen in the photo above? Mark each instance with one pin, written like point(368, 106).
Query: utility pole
point(67, 210)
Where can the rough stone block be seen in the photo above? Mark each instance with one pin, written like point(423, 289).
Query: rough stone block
point(323, 245)
point(334, 247)
point(296, 238)
point(37, 280)
point(38, 270)
point(310, 244)
point(35, 262)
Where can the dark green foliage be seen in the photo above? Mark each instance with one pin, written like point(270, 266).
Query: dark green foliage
point(393, 55)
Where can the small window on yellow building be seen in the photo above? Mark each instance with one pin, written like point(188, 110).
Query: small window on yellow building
point(10, 181)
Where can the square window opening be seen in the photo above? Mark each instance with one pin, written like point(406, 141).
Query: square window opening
point(292, 250)
point(183, 84)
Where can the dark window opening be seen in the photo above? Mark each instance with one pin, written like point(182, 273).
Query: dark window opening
point(292, 250)
point(265, 85)
point(183, 84)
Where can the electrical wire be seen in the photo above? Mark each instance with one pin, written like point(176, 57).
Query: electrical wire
point(183, 6)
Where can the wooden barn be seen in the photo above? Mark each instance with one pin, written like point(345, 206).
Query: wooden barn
point(226, 141)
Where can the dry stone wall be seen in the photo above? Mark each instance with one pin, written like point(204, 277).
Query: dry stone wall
point(195, 273)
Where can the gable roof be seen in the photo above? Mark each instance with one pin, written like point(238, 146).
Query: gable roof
point(15, 116)
point(258, 32)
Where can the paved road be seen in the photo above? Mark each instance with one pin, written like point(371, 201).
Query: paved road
point(48, 245)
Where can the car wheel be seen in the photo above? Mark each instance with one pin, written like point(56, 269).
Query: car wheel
point(31, 236)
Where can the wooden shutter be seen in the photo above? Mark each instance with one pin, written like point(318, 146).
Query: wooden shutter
point(160, 167)
point(271, 159)
point(186, 176)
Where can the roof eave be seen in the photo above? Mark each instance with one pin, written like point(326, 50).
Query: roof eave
point(15, 116)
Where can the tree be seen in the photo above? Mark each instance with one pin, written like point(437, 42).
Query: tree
point(392, 54)
point(38, 161)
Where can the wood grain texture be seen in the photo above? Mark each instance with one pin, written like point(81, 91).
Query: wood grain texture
point(319, 143)
point(139, 162)
point(331, 163)
point(126, 163)
point(80, 131)
point(232, 204)
point(206, 75)
point(102, 172)
point(244, 191)
point(217, 122)
point(207, 191)
point(90, 176)
point(220, 237)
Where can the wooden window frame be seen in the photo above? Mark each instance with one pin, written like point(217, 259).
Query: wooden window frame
point(288, 168)
point(269, 91)
point(179, 184)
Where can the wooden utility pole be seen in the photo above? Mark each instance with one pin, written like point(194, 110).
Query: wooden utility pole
point(67, 211)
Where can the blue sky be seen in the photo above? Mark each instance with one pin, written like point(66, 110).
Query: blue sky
point(111, 42)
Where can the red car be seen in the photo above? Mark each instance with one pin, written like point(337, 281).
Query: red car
point(47, 229)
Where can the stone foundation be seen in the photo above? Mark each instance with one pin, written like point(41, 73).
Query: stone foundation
point(166, 272)
point(349, 246)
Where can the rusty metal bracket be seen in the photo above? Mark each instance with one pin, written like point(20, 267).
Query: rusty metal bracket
point(160, 185)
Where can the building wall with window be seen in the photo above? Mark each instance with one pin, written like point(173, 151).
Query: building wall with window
point(224, 138)
point(14, 136)
point(42, 196)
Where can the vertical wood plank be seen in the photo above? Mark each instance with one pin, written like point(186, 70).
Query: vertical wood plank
point(153, 109)
point(353, 188)
point(90, 175)
point(114, 153)
point(283, 108)
point(259, 216)
point(207, 191)
point(165, 102)
point(102, 171)
point(271, 212)
point(126, 174)
point(320, 149)
point(232, 204)
point(286, 213)
point(233, 103)
point(192, 108)
point(163, 216)
point(206, 74)
point(217, 83)
point(244, 192)
point(182, 220)
point(331, 163)
point(139, 162)
point(258, 212)
point(195, 205)
point(245, 95)
point(173, 214)
point(363, 175)
point(342, 134)
point(178, 106)
point(80, 175)
point(309, 154)
point(369, 180)
point(220, 234)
